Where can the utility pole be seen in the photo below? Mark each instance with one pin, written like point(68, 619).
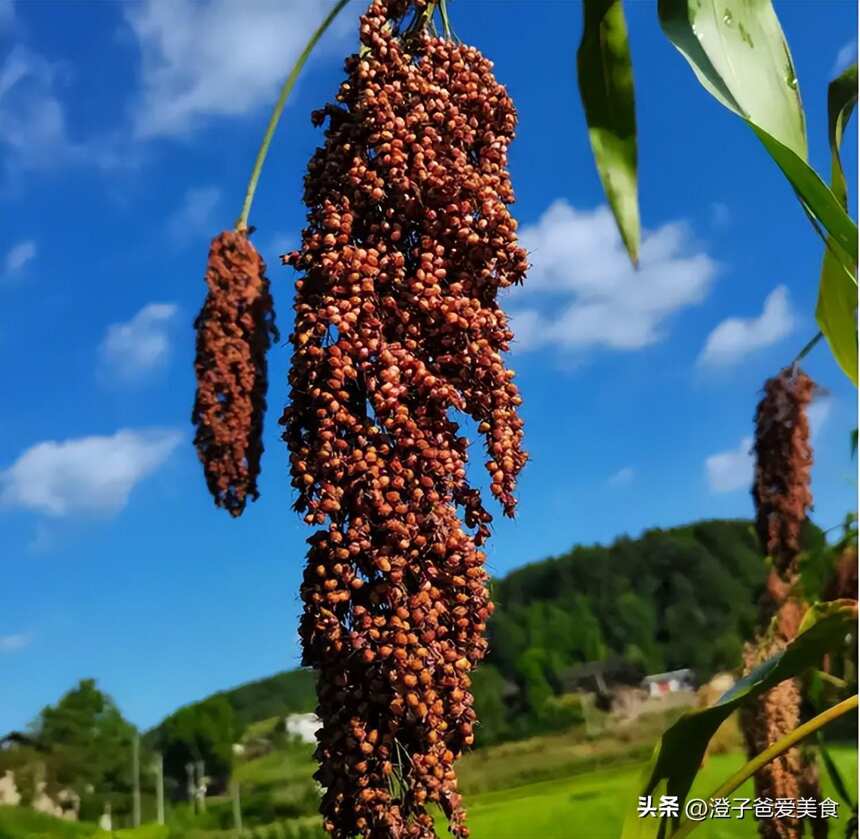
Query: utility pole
point(135, 760)
point(237, 808)
point(201, 785)
point(158, 768)
point(192, 792)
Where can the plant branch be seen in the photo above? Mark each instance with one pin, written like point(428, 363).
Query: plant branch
point(771, 753)
point(808, 348)
point(289, 84)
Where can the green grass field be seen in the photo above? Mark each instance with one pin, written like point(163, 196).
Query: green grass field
point(595, 802)
point(590, 803)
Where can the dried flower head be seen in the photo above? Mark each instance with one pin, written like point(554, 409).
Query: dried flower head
point(783, 454)
point(409, 239)
point(234, 330)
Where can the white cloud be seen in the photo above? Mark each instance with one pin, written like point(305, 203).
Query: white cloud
point(33, 129)
point(597, 298)
point(846, 56)
point(731, 470)
point(623, 477)
point(18, 256)
point(216, 58)
point(87, 474)
point(735, 338)
point(196, 213)
point(132, 349)
point(13, 643)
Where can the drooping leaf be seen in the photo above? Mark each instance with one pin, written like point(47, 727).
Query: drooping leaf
point(739, 53)
point(835, 776)
point(836, 311)
point(841, 101)
point(679, 754)
point(605, 75)
point(854, 442)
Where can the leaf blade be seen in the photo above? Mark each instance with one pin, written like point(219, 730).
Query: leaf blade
point(725, 61)
point(836, 310)
point(605, 77)
point(841, 101)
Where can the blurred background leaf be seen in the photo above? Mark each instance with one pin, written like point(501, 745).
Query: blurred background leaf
point(605, 75)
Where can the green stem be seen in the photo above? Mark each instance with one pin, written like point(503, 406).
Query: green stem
point(446, 24)
point(289, 84)
point(771, 753)
point(808, 348)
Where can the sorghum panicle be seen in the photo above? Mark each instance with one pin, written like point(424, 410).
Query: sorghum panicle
point(783, 454)
point(782, 496)
point(397, 327)
point(234, 330)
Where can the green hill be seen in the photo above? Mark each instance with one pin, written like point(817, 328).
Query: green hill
point(671, 598)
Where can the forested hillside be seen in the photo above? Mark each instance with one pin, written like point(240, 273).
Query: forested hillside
point(680, 597)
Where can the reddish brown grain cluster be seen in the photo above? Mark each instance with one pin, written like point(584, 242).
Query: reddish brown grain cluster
point(783, 464)
point(397, 327)
point(234, 331)
point(782, 497)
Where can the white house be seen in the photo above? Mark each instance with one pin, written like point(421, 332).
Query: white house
point(673, 681)
point(303, 726)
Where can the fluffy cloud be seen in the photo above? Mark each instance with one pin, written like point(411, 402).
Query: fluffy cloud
point(215, 58)
point(13, 643)
point(195, 214)
point(18, 256)
point(33, 129)
point(85, 475)
point(735, 338)
point(623, 477)
point(846, 56)
point(731, 470)
point(132, 349)
point(593, 296)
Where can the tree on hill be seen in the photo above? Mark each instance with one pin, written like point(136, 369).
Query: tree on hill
point(87, 744)
point(204, 731)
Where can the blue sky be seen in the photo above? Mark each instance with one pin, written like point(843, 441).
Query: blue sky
point(127, 132)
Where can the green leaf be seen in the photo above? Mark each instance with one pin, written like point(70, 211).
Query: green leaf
point(605, 75)
point(854, 442)
point(841, 101)
point(835, 776)
point(679, 754)
point(739, 53)
point(836, 311)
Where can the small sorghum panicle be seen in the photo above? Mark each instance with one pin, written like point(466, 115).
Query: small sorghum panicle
point(398, 328)
point(783, 455)
point(782, 497)
point(235, 328)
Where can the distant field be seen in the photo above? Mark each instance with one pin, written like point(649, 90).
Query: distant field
point(591, 803)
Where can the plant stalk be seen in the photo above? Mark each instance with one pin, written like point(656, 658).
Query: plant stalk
point(771, 753)
point(807, 349)
point(289, 84)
